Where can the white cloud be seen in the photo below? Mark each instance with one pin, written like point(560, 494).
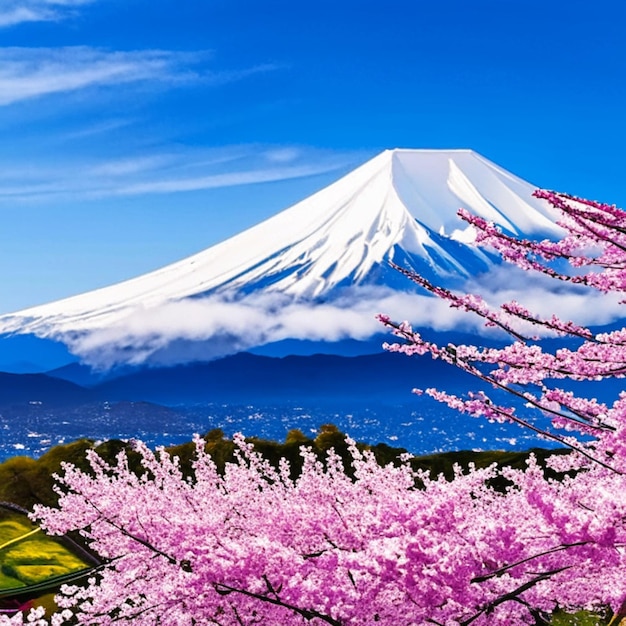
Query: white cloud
point(63, 3)
point(27, 73)
point(202, 329)
point(175, 169)
point(134, 162)
point(35, 72)
point(128, 166)
point(212, 327)
point(545, 296)
point(229, 179)
point(282, 155)
point(17, 12)
point(18, 15)
point(98, 128)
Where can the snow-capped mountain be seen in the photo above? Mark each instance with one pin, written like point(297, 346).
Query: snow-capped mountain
point(401, 206)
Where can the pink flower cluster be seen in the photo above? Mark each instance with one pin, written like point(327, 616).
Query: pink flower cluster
point(389, 546)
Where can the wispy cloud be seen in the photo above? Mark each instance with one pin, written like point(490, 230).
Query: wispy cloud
point(129, 166)
point(99, 128)
point(282, 155)
point(17, 12)
point(230, 179)
point(167, 171)
point(27, 73)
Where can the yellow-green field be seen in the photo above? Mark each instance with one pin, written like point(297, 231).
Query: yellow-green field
point(28, 557)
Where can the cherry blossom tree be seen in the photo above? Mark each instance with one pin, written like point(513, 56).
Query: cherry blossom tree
point(526, 371)
point(386, 544)
point(595, 243)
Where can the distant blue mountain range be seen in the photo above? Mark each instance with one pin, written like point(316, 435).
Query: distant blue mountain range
point(239, 378)
point(367, 396)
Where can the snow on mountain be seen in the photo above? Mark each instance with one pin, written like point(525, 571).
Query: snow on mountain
point(401, 205)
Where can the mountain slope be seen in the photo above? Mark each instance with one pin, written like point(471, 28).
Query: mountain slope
point(401, 206)
point(401, 203)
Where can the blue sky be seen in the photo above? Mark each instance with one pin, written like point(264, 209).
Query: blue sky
point(137, 132)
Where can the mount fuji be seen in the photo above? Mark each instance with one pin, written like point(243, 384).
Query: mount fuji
point(317, 271)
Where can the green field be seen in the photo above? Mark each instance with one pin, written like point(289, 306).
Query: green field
point(28, 557)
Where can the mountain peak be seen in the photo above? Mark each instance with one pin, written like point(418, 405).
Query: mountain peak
point(428, 150)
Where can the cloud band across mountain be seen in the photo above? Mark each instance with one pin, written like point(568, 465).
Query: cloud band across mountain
point(205, 329)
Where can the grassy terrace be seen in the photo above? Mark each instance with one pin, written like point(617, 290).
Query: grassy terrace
point(33, 564)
